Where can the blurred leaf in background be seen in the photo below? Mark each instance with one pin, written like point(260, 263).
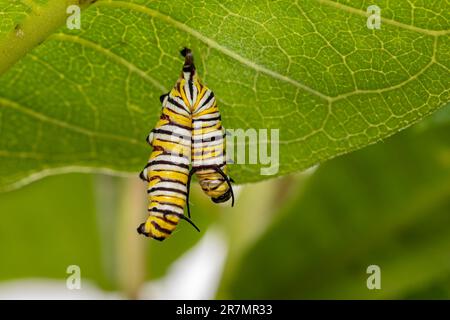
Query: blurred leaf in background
point(387, 205)
point(81, 219)
point(49, 225)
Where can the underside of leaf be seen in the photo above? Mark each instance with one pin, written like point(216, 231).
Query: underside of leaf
point(85, 99)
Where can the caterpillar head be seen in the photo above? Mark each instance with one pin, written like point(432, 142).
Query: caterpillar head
point(224, 197)
point(141, 230)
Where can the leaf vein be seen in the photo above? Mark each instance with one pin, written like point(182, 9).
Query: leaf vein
point(212, 43)
point(385, 20)
point(42, 117)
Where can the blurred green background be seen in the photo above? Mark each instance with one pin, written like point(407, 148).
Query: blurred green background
point(310, 235)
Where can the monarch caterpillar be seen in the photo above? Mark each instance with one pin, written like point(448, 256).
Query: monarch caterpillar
point(208, 146)
point(175, 142)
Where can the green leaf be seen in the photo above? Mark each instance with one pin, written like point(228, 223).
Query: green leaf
point(386, 205)
point(49, 226)
point(86, 99)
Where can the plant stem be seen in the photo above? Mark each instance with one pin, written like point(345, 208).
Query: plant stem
point(131, 248)
point(41, 22)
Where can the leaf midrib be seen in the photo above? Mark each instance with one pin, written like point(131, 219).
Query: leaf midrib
point(262, 69)
point(259, 68)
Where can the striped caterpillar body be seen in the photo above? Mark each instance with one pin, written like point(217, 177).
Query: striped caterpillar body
point(176, 139)
point(208, 148)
